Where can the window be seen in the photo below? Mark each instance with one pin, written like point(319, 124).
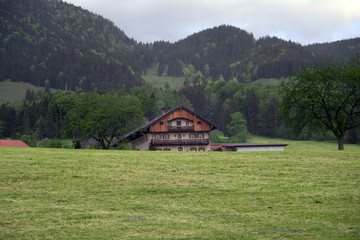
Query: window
point(169, 123)
point(180, 148)
point(178, 123)
point(179, 136)
point(193, 149)
point(166, 149)
point(199, 122)
point(187, 123)
point(157, 137)
point(161, 123)
point(202, 149)
point(166, 137)
point(196, 135)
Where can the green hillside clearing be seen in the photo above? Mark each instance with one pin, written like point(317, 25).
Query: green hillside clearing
point(16, 91)
point(269, 81)
point(162, 81)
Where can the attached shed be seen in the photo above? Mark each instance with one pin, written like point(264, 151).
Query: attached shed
point(12, 143)
point(246, 147)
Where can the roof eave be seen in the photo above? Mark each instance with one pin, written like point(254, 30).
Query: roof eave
point(161, 117)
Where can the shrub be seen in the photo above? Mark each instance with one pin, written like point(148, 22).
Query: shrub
point(29, 140)
point(56, 143)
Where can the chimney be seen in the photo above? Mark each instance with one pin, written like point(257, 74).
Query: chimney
point(163, 111)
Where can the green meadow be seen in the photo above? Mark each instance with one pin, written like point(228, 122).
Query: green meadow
point(300, 193)
point(16, 91)
point(161, 81)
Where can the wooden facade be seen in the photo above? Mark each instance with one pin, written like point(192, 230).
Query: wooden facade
point(179, 129)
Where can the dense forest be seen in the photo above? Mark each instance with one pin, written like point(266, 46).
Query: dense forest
point(63, 46)
point(57, 45)
point(336, 50)
point(232, 53)
point(43, 115)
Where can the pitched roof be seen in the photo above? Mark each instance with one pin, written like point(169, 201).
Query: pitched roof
point(12, 143)
point(147, 126)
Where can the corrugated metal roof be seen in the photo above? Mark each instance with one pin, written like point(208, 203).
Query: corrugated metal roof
point(234, 145)
point(251, 144)
point(12, 143)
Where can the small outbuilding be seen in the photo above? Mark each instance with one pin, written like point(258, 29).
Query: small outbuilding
point(12, 143)
point(246, 147)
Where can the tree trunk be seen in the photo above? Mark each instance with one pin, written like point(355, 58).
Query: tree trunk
point(101, 141)
point(340, 139)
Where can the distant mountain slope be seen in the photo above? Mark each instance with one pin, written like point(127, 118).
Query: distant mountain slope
point(52, 42)
point(55, 44)
point(233, 53)
point(336, 50)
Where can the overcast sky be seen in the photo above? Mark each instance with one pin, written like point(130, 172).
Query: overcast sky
point(302, 21)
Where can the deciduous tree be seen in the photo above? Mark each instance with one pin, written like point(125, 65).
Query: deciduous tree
point(104, 117)
point(325, 96)
point(237, 128)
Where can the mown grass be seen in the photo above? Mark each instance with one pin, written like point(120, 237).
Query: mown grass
point(304, 145)
point(93, 194)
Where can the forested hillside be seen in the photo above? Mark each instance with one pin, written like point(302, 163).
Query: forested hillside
point(336, 50)
point(231, 53)
point(48, 42)
point(55, 44)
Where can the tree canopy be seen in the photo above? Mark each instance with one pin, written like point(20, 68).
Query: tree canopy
point(237, 128)
point(104, 117)
point(55, 44)
point(326, 97)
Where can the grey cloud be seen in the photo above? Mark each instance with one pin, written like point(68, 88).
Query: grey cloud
point(303, 21)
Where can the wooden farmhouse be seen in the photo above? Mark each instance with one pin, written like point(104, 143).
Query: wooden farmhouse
point(179, 129)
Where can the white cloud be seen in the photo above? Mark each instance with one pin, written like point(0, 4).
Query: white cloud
point(304, 21)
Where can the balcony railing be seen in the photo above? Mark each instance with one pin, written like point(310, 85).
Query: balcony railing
point(180, 128)
point(203, 141)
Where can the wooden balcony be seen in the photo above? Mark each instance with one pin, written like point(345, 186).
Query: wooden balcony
point(180, 128)
point(202, 141)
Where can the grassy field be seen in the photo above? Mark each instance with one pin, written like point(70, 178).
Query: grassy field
point(178, 82)
point(16, 91)
point(304, 145)
point(269, 81)
point(160, 81)
point(93, 194)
